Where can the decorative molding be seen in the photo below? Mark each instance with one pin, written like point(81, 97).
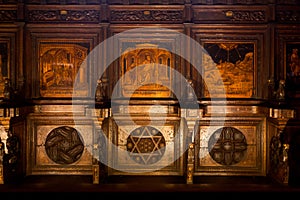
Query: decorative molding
point(247, 16)
point(250, 16)
point(151, 15)
point(8, 15)
point(292, 16)
point(63, 15)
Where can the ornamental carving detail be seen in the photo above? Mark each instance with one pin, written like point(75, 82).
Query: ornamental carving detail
point(288, 16)
point(146, 15)
point(252, 16)
point(65, 15)
point(8, 15)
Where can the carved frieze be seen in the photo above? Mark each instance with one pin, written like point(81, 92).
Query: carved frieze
point(233, 14)
point(252, 16)
point(8, 15)
point(209, 2)
point(57, 2)
point(145, 2)
point(151, 15)
point(63, 15)
point(292, 16)
point(237, 16)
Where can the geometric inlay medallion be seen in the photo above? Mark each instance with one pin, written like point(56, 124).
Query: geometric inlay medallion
point(227, 146)
point(64, 145)
point(146, 145)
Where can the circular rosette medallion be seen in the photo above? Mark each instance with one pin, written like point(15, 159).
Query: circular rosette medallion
point(146, 145)
point(64, 145)
point(227, 146)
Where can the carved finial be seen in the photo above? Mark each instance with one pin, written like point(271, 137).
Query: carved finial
point(271, 89)
point(281, 90)
point(99, 90)
point(7, 93)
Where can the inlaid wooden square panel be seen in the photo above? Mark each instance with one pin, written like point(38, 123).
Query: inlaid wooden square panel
point(57, 144)
point(235, 148)
point(144, 146)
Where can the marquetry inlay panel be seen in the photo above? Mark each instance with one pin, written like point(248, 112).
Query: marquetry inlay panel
point(227, 146)
point(235, 62)
point(60, 65)
point(64, 145)
point(146, 145)
point(146, 71)
point(236, 148)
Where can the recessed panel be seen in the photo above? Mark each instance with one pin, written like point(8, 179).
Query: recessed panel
point(232, 149)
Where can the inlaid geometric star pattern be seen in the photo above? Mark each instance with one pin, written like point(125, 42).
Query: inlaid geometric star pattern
point(146, 145)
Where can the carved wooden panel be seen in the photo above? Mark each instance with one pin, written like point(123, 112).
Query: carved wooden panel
point(71, 2)
point(8, 13)
point(145, 142)
point(210, 2)
point(59, 146)
point(153, 161)
point(151, 14)
point(239, 57)
point(231, 14)
point(63, 14)
point(237, 147)
point(133, 46)
point(57, 60)
point(287, 14)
